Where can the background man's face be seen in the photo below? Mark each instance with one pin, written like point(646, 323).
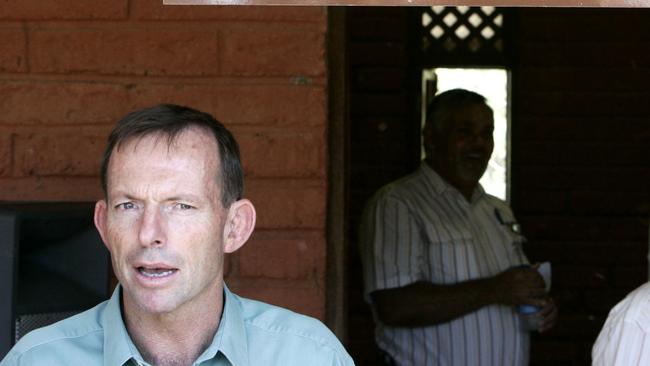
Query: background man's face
point(463, 148)
point(164, 221)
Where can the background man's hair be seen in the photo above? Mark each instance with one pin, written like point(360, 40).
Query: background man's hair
point(169, 120)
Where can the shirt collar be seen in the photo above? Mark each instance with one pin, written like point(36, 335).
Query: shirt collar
point(440, 186)
point(118, 346)
point(230, 339)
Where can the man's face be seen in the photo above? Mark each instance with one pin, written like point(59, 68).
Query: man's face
point(163, 220)
point(462, 149)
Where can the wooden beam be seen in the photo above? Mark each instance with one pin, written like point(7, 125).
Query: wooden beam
point(509, 3)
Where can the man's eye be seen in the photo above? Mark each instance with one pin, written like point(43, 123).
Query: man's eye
point(126, 206)
point(184, 206)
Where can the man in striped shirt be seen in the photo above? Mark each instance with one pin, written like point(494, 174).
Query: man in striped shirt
point(443, 263)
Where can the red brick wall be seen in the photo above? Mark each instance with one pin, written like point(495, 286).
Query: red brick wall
point(69, 69)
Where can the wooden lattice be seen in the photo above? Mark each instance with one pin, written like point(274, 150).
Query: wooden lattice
point(463, 35)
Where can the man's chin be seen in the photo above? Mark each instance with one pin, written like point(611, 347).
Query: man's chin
point(472, 174)
point(150, 301)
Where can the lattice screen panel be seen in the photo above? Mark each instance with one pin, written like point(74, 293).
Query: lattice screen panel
point(463, 35)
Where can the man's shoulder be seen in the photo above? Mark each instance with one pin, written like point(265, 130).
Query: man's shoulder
point(497, 202)
point(403, 189)
point(83, 329)
point(268, 324)
point(634, 308)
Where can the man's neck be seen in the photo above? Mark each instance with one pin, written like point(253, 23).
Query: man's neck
point(178, 337)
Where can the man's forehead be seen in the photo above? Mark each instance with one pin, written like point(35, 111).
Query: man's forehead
point(466, 114)
point(193, 137)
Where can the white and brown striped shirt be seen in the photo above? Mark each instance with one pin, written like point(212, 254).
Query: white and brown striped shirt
point(625, 337)
point(420, 228)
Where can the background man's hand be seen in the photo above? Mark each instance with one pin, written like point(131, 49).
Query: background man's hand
point(548, 314)
point(520, 286)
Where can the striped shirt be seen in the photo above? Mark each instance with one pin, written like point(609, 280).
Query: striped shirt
point(625, 337)
point(420, 228)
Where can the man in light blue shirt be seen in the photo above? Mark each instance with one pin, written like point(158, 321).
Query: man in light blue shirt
point(173, 206)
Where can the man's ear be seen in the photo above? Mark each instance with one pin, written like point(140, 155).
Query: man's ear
point(100, 219)
point(239, 225)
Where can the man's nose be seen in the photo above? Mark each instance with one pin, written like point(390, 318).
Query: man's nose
point(480, 139)
point(151, 231)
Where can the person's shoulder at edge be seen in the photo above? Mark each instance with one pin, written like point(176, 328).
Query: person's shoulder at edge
point(291, 329)
point(497, 202)
point(634, 308)
point(627, 323)
point(55, 336)
point(504, 209)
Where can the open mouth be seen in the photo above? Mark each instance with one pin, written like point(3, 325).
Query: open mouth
point(474, 156)
point(153, 272)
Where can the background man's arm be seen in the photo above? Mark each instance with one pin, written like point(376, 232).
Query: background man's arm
point(425, 303)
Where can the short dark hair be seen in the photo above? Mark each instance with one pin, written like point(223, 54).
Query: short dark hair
point(170, 120)
point(440, 108)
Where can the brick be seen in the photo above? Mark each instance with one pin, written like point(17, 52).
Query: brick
point(240, 104)
point(273, 105)
point(57, 103)
point(64, 152)
point(13, 57)
point(287, 204)
point(155, 10)
point(283, 255)
point(141, 52)
point(5, 153)
point(273, 53)
point(299, 296)
point(286, 153)
point(50, 189)
point(63, 9)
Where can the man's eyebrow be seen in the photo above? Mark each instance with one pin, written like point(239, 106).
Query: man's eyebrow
point(184, 197)
point(122, 194)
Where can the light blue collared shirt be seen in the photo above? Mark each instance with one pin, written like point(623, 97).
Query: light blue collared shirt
point(251, 333)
